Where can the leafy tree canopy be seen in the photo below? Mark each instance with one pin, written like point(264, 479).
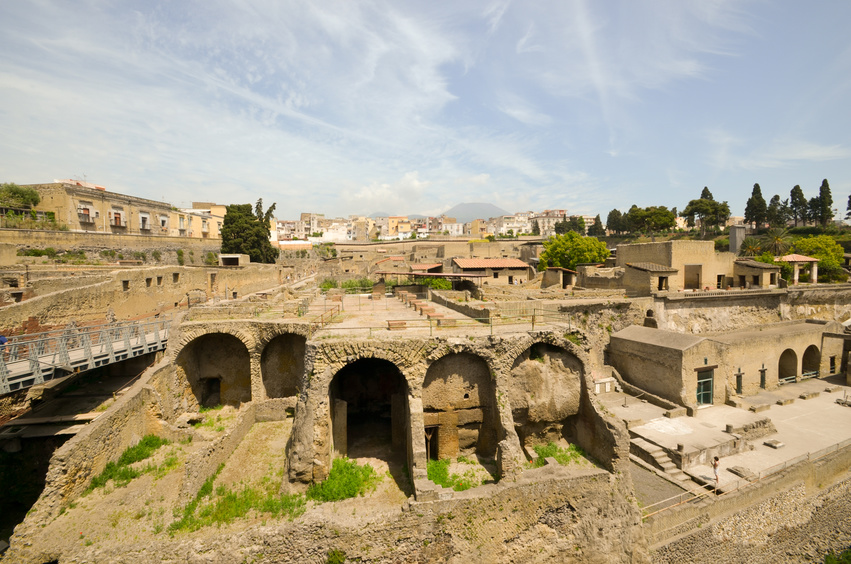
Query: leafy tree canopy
point(823, 247)
point(14, 196)
point(798, 204)
point(707, 210)
point(574, 223)
point(650, 219)
point(246, 232)
point(571, 249)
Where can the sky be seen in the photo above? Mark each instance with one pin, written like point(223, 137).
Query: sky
point(411, 107)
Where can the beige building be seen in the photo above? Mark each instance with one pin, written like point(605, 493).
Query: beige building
point(89, 208)
point(643, 269)
point(695, 371)
point(501, 271)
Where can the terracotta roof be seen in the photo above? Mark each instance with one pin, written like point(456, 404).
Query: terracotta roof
point(425, 266)
point(560, 268)
point(490, 263)
point(797, 258)
point(651, 267)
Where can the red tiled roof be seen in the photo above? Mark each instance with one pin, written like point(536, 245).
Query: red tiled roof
point(425, 266)
point(797, 258)
point(490, 263)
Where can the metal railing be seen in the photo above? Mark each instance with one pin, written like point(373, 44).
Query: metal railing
point(35, 358)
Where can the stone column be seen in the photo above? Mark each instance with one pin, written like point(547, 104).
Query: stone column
point(813, 273)
point(795, 270)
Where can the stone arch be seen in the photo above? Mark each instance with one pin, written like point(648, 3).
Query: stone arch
point(544, 390)
point(217, 368)
point(787, 367)
point(810, 361)
point(369, 405)
point(282, 365)
point(459, 407)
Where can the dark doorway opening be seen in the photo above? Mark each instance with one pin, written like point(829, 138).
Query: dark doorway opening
point(369, 405)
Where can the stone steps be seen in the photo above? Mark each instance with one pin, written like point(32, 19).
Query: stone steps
point(660, 459)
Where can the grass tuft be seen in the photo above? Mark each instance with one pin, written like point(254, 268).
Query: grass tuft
point(563, 456)
point(120, 472)
point(346, 479)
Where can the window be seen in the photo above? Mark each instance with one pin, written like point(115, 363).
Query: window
point(148, 282)
point(719, 282)
point(125, 285)
point(755, 281)
point(159, 280)
point(833, 365)
point(496, 274)
point(175, 277)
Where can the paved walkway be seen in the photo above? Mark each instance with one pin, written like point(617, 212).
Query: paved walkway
point(805, 426)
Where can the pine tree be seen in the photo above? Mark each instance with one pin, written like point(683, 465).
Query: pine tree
point(798, 204)
point(825, 204)
point(756, 209)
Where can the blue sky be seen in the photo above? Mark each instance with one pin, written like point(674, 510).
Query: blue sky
point(412, 107)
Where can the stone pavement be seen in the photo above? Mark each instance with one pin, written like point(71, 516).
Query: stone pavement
point(804, 426)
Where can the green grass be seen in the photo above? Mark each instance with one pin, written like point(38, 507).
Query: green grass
point(564, 456)
point(346, 479)
point(844, 558)
point(438, 472)
point(225, 505)
point(120, 472)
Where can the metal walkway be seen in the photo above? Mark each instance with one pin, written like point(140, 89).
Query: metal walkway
point(33, 359)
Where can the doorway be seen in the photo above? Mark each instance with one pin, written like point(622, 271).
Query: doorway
point(704, 387)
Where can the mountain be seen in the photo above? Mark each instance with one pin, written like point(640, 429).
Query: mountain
point(464, 213)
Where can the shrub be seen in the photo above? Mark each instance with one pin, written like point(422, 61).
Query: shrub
point(211, 259)
point(357, 285)
point(346, 479)
point(180, 259)
point(156, 255)
point(138, 255)
point(327, 284)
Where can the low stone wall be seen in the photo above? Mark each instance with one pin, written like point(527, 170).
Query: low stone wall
point(674, 410)
point(203, 464)
point(474, 310)
point(72, 467)
point(690, 517)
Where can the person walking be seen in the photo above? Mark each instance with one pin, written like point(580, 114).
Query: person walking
point(715, 463)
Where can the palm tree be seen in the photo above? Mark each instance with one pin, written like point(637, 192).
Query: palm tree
point(777, 241)
point(751, 247)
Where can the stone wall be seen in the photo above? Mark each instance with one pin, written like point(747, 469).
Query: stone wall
point(94, 243)
point(790, 490)
point(131, 293)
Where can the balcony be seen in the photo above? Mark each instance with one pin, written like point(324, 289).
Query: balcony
point(145, 227)
point(85, 217)
point(120, 223)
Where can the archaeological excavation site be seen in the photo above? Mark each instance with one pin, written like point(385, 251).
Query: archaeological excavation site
point(259, 413)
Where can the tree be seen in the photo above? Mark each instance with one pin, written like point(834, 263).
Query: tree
point(536, 229)
point(756, 209)
point(570, 249)
point(777, 213)
point(751, 247)
point(828, 251)
point(615, 223)
point(597, 229)
point(814, 210)
point(825, 204)
point(776, 241)
point(709, 212)
point(14, 196)
point(247, 233)
point(798, 204)
point(650, 219)
point(848, 208)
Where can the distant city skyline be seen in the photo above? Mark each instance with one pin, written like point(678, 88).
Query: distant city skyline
point(350, 108)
